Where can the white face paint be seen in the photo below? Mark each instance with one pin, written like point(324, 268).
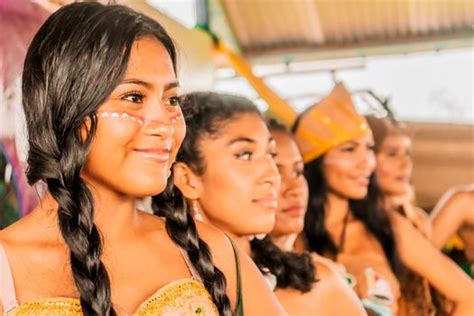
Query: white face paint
point(134, 118)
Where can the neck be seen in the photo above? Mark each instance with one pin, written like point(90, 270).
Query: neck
point(113, 214)
point(285, 242)
point(336, 208)
point(242, 242)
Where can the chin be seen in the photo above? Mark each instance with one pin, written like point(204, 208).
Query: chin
point(359, 195)
point(149, 189)
point(282, 230)
point(263, 228)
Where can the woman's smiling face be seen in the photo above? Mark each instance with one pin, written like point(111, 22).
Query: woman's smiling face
point(347, 167)
point(395, 165)
point(140, 126)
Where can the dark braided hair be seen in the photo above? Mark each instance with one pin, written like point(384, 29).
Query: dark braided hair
point(181, 228)
point(205, 114)
point(73, 64)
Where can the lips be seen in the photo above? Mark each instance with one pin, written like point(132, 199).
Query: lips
point(157, 154)
point(361, 180)
point(294, 210)
point(269, 201)
point(403, 178)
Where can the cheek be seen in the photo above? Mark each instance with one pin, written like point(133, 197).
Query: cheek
point(178, 137)
point(112, 162)
point(336, 169)
point(386, 168)
point(111, 138)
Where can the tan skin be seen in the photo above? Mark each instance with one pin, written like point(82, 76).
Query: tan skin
point(240, 182)
point(394, 169)
point(139, 256)
point(346, 167)
point(454, 214)
point(330, 295)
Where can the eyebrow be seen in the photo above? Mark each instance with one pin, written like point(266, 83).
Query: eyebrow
point(247, 140)
point(241, 139)
point(148, 85)
point(295, 163)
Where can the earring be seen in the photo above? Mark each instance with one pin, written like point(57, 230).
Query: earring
point(195, 209)
point(257, 236)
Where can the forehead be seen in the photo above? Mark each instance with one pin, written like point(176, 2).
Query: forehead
point(395, 140)
point(287, 150)
point(150, 60)
point(248, 125)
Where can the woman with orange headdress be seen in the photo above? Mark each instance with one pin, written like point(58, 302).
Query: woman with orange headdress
point(346, 220)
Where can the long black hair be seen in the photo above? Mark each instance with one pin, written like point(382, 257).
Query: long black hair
point(205, 114)
point(368, 210)
point(73, 64)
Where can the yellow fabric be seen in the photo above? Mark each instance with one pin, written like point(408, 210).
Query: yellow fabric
point(182, 297)
point(329, 123)
point(454, 242)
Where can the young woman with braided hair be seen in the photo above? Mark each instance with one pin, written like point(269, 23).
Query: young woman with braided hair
point(100, 96)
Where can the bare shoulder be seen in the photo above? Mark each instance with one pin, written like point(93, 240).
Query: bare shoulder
point(325, 267)
point(456, 196)
point(19, 232)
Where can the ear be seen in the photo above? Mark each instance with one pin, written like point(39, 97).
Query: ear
point(187, 181)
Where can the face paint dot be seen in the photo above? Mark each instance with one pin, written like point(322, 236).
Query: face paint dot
point(115, 115)
point(125, 115)
point(104, 114)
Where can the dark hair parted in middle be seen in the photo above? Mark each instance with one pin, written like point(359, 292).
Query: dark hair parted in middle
point(205, 114)
point(73, 64)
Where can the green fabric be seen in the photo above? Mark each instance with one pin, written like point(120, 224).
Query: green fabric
point(239, 306)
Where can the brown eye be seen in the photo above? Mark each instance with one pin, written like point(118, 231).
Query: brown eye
point(244, 155)
point(134, 97)
point(174, 101)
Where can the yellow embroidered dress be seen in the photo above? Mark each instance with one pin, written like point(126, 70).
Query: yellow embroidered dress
point(182, 297)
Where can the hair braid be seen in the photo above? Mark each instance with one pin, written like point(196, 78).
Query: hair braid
point(290, 269)
point(182, 230)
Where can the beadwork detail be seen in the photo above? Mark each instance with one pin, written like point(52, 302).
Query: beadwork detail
point(133, 118)
point(123, 115)
point(181, 297)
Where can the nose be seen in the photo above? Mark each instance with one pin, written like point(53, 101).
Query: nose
point(270, 175)
point(366, 159)
point(406, 161)
point(157, 121)
point(294, 187)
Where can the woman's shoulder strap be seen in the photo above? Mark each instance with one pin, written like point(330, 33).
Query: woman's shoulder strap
point(7, 288)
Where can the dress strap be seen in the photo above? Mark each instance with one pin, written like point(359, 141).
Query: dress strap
point(239, 306)
point(7, 289)
point(191, 269)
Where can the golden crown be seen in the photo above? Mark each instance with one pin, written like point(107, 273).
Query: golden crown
point(328, 123)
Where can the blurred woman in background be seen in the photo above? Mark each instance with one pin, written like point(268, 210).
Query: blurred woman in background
point(394, 166)
point(346, 220)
